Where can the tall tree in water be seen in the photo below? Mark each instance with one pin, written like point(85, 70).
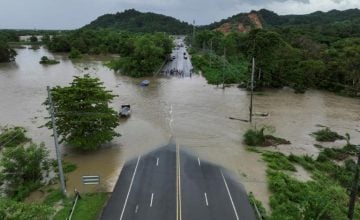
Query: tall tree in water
point(83, 117)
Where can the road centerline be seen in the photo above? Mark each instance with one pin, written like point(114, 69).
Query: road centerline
point(206, 199)
point(151, 200)
point(199, 162)
point(157, 162)
point(228, 191)
point(178, 183)
point(131, 183)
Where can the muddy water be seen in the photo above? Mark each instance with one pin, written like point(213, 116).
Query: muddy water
point(200, 117)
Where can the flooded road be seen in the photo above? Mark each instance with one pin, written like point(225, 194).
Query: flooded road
point(200, 117)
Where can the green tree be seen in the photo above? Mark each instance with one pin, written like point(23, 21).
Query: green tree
point(74, 54)
point(148, 52)
point(83, 117)
point(33, 39)
point(23, 169)
point(6, 53)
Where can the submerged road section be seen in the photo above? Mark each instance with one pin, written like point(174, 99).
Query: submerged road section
point(180, 64)
point(170, 183)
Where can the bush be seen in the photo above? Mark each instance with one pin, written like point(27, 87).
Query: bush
point(22, 169)
point(254, 137)
point(46, 60)
point(12, 137)
point(326, 135)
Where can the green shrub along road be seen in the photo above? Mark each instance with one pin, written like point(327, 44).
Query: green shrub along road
point(325, 196)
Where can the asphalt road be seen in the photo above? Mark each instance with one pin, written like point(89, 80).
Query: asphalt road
point(179, 63)
point(170, 183)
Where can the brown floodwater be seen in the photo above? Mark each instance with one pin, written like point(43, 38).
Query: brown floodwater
point(200, 115)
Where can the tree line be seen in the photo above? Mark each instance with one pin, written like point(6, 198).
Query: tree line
point(140, 54)
point(299, 61)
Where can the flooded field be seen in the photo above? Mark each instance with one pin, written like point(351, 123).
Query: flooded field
point(201, 117)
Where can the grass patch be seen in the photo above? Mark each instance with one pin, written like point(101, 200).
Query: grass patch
point(324, 197)
point(53, 197)
point(278, 161)
point(320, 199)
point(253, 149)
point(88, 207)
point(326, 135)
point(67, 166)
point(234, 72)
point(305, 161)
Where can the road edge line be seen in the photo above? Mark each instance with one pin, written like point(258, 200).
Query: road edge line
point(131, 183)
point(228, 191)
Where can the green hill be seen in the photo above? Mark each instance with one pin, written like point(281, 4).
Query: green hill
point(135, 21)
point(333, 24)
point(316, 18)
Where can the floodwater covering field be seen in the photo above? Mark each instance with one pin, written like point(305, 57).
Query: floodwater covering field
point(200, 117)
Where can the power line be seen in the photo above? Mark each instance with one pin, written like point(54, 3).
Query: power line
point(12, 139)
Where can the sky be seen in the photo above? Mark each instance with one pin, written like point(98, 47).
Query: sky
point(72, 14)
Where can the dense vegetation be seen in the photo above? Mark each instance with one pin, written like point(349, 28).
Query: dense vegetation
point(144, 54)
point(325, 196)
point(83, 117)
point(23, 164)
point(140, 54)
point(24, 168)
point(320, 50)
point(135, 21)
point(10, 209)
point(7, 54)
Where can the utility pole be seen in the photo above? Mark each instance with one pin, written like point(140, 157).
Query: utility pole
point(193, 32)
point(211, 42)
point(223, 73)
point(252, 90)
point(58, 154)
point(354, 189)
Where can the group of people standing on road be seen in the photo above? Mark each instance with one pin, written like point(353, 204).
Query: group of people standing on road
point(175, 72)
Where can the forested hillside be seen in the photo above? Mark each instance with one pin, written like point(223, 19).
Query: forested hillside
point(135, 21)
point(319, 50)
